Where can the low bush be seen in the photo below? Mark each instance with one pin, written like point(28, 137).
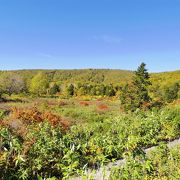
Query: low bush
point(84, 103)
point(102, 107)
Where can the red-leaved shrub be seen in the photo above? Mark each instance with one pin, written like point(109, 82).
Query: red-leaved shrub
point(84, 103)
point(32, 115)
point(102, 107)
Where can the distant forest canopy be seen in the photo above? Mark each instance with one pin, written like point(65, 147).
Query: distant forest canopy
point(94, 82)
point(105, 76)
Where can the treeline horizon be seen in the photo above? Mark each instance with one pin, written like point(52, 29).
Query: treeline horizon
point(82, 69)
point(105, 71)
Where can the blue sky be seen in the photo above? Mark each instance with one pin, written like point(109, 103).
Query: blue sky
point(71, 34)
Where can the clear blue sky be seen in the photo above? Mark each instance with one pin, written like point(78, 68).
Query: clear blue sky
point(90, 34)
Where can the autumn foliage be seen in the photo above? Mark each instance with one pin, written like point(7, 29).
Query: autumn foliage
point(102, 107)
point(84, 103)
point(32, 115)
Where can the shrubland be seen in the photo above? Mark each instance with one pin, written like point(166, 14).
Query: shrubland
point(36, 147)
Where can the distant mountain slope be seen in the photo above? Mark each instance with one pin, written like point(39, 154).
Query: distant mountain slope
point(80, 75)
point(165, 78)
point(106, 76)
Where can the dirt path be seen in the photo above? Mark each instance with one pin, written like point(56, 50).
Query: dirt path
point(104, 172)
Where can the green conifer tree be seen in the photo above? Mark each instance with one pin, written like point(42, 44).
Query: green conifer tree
point(141, 82)
point(70, 90)
point(136, 95)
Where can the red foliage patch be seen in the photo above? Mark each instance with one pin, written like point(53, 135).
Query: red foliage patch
point(32, 115)
point(55, 120)
point(102, 107)
point(84, 103)
point(28, 115)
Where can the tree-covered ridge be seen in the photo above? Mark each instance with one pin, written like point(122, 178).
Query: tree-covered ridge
point(97, 75)
point(166, 78)
point(80, 75)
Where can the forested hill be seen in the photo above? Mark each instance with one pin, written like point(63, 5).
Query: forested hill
point(106, 76)
point(165, 78)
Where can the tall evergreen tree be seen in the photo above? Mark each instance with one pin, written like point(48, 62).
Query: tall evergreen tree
point(141, 82)
point(136, 95)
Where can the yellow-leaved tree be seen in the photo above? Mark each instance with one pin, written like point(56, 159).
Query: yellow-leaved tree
point(39, 84)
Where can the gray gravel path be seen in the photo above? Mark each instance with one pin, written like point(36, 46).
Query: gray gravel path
point(103, 173)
